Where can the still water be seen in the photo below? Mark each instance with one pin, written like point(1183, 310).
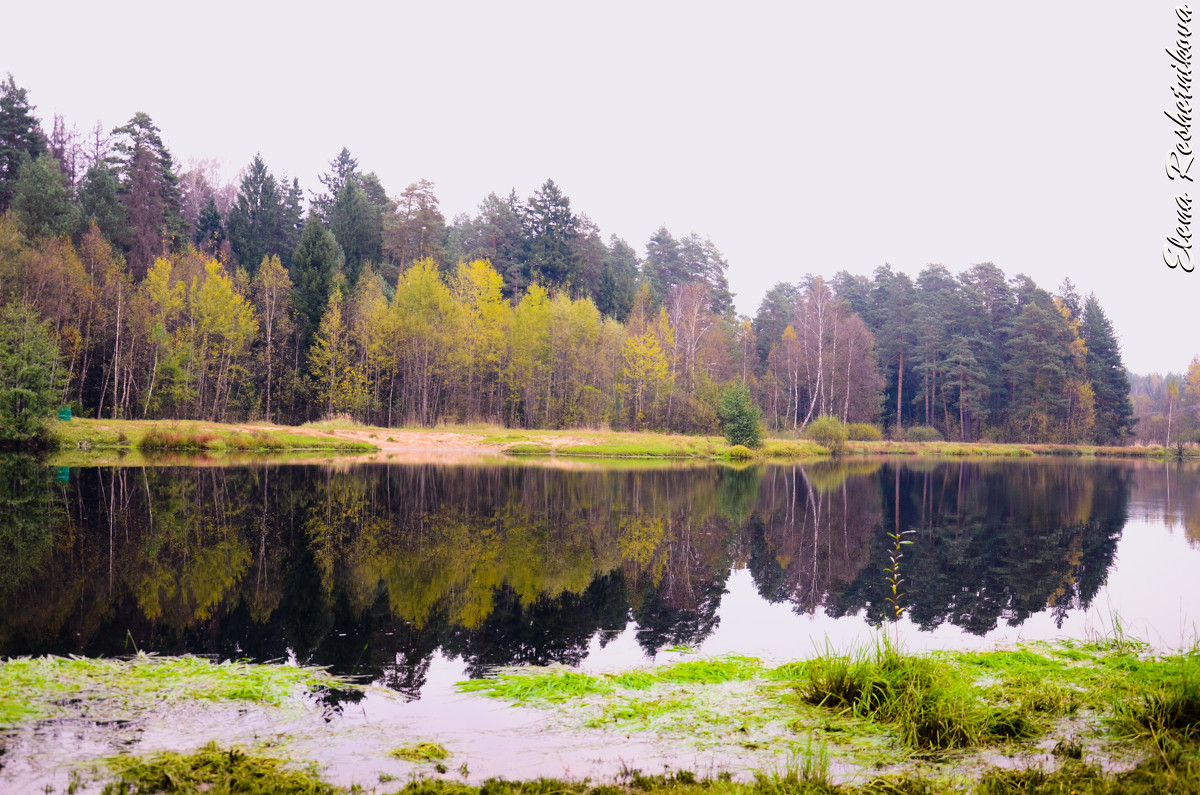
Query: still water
point(389, 572)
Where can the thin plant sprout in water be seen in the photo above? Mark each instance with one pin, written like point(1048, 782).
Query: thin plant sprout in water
point(893, 578)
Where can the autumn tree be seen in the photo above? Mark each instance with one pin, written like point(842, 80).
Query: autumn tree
point(271, 294)
point(329, 360)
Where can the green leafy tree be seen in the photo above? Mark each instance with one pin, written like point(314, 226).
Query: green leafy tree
point(775, 313)
point(703, 263)
point(20, 137)
point(664, 266)
point(740, 418)
point(31, 375)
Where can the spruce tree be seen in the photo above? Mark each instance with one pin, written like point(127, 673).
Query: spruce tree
point(255, 217)
point(1110, 382)
point(314, 264)
point(43, 201)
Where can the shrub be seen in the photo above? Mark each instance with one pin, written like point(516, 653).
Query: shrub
point(863, 432)
point(829, 432)
point(922, 433)
point(740, 418)
point(740, 452)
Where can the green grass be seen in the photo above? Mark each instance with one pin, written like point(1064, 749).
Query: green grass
point(214, 771)
point(421, 752)
point(555, 683)
point(190, 436)
point(36, 688)
point(878, 707)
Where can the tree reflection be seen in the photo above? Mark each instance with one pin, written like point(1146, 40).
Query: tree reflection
point(372, 569)
point(31, 515)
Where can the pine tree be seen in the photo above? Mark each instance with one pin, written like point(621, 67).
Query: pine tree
point(20, 137)
point(1110, 382)
point(150, 190)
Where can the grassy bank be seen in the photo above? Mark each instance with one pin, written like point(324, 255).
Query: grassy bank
point(1099, 717)
point(80, 441)
point(1059, 714)
point(646, 444)
point(193, 436)
point(56, 688)
point(219, 772)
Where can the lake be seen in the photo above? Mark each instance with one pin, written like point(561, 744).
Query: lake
point(416, 576)
point(375, 569)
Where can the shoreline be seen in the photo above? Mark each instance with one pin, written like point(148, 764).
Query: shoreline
point(87, 441)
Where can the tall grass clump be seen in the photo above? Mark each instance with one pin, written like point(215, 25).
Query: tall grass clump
point(927, 704)
point(179, 441)
point(254, 441)
point(335, 422)
point(1166, 701)
point(214, 770)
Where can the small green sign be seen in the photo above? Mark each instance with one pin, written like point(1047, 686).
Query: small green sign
point(64, 413)
point(63, 475)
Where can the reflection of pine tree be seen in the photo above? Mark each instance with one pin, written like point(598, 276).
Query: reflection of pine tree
point(551, 630)
point(996, 541)
point(770, 576)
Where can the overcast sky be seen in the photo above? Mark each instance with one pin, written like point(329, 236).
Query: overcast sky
point(800, 138)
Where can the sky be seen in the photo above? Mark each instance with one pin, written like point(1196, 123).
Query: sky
point(801, 138)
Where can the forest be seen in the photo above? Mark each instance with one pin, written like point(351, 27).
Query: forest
point(168, 294)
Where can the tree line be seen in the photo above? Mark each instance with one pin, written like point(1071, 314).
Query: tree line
point(170, 295)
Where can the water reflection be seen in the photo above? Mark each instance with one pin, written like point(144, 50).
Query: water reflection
point(373, 569)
